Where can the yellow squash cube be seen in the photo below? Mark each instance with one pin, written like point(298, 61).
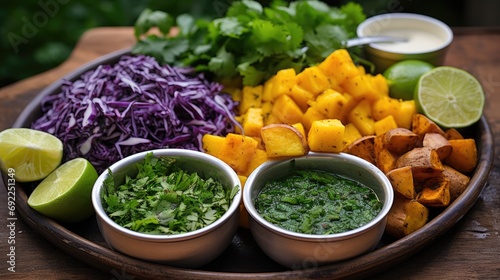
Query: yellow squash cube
point(310, 116)
point(326, 136)
point(404, 116)
point(258, 158)
point(330, 103)
point(361, 87)
point(313, 80)
point(386, 106)
point(251, 98)
point(361, 117)
point(339, 66)
point(253, 122)
point(283, 82)
point(287, 110)
point(384, 125)
point(212, 144)
point(267, 89)
point(301, 97)
point(351, 133)
point(236, 149)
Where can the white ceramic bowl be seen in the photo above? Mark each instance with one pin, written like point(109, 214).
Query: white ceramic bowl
point(428, 39)
point(297, 250)
point(189, 250)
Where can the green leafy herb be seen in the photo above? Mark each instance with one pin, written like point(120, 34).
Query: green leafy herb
point(250, 41)
point(164, 199)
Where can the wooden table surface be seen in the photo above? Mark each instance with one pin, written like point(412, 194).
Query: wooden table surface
point(471, 250)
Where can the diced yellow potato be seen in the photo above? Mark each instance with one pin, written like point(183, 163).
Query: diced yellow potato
point(351, 133)
point(361, 117)
point(251, 98)
point(287, 110)
point(386, 106)
point(326, 135)
point(405, 114)
point(212, 144)
point(330, 103)
point(283, 82)
point(339, 66)
point(282, 140)
point(301, 97)
point(384, 125)
point(313, 80)
point(310, 116)
point(236, 149)
point(300, 127)
point(253, 122)
point(349, 105)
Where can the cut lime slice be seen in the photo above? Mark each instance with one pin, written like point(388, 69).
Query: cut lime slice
point(65, 195)
point(449, 96)
point(32, 154)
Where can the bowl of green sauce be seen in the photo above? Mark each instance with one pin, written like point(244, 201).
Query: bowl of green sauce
point(317, 209)
point(172, 206)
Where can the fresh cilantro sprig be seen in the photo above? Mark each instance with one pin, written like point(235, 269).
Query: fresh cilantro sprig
point(250, 41)
point(164, 199)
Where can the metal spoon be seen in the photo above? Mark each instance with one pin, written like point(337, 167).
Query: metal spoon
point(372, 39)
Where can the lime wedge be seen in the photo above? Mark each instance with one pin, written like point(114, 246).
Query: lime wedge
point(449, 96)
point(31, 154)
point(65, 195)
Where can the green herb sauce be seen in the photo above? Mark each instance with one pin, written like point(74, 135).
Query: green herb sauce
point(164, 199)
point(317, 202)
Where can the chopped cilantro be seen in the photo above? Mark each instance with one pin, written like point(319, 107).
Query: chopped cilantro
point(164, 199)
point(250, 41)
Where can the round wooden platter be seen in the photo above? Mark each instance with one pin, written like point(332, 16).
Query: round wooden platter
point(243, 259)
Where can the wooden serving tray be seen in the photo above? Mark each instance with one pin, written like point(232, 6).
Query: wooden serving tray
point(243, 259)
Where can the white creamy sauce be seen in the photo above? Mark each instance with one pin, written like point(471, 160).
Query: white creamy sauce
point(418, 41)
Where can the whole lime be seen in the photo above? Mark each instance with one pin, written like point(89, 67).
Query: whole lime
point(402, 77)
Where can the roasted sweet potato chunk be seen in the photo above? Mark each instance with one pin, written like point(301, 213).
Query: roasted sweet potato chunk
point(463, 156)
point(439, 143)
point(406, 216)
point(282, 140)
point(402, 181)
point(364, 148)
point(435, 193)
point(458, 181)
point(424, 161)
point(400, 140)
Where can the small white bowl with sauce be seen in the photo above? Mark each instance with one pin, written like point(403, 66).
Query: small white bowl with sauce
point(427, 39)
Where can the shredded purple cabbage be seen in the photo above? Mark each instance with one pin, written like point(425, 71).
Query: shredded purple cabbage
point(132, 106)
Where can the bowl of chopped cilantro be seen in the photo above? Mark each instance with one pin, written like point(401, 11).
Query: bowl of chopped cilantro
point(174, 206)
point(317, 209)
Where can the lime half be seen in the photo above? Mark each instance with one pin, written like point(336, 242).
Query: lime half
point(65, 195)
point(449, 96)
point(32, 154)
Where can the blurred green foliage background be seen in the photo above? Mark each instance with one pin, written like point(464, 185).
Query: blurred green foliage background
point(39, 35)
